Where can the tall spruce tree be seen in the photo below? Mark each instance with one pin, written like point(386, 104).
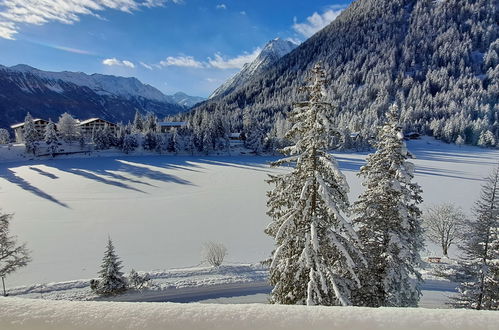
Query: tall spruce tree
point(478, 271)
point(30, 134)
point(51, 139)
point(112, 281)
point(316, 255)
point(138, 122)
point(388, 221)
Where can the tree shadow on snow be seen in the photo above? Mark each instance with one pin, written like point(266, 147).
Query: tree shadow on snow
point(44, 173)
point(10, 176)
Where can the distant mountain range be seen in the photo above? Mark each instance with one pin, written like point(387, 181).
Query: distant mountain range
point(273, 51)
point(439, 60)
point(49, 94)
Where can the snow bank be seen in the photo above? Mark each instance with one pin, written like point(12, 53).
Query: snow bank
point(30, 314)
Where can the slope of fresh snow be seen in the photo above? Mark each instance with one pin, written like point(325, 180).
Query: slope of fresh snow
point(160, 209)
point(37, 314)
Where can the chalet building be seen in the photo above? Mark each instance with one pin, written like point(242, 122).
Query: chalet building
point(40, 125)
point(412, 136)
point(87, 127)
point(167, 126)
point(237, 136)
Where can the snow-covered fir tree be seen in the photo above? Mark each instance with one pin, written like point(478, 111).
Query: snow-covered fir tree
point(112, 281)
point(30, 134)
point(51, 139)
point(179, 143)
point(129, 143)
point(459, 140)
point(104, 138)
point(150, 122)
point(12, 254)
point(486, 139)
point(4, 136)
point(388, 222)
point(478, 271)
point(316, 250)
point(150, 141)
point(68, 127)
point(138, 122)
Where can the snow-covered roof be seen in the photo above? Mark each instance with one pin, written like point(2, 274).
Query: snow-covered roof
point(94, 119)
point(22, 124)
point(235, 135)
point(172, 123)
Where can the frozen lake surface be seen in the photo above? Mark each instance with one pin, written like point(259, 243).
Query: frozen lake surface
point(160, 209)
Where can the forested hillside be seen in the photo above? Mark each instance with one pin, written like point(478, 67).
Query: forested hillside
point(437, 59)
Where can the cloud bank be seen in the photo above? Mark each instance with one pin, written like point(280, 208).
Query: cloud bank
point(13, 13)
point(317, 21)
point(115, 62)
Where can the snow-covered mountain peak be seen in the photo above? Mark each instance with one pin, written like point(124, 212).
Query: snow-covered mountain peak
point(271, 52)
point(278, 47)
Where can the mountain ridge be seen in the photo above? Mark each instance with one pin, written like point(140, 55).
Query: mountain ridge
point(48, 94)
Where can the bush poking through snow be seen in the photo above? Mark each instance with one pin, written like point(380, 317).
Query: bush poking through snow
point(214, 253)
point(138, 281)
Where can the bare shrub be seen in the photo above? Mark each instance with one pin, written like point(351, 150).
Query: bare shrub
point(214, 253)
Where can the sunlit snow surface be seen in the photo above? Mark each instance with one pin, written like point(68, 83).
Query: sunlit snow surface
point(16, 313)
point(160, 209)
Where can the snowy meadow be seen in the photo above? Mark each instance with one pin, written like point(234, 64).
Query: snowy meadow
point(159, 210)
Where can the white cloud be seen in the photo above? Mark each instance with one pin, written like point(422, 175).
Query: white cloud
point(128, 64)
point(39, 12)
point(218, 62)
point(237, 62)
point(318, 21)
point(184, 61)
point(147, 66)
point(222, 6)
point(115, 62)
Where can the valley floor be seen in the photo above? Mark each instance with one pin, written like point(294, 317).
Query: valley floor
point(159, 210)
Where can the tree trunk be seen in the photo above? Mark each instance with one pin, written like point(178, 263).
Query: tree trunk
point(3, 284)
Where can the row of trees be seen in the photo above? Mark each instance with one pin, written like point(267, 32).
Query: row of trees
point(323, 258)
point(201, 135)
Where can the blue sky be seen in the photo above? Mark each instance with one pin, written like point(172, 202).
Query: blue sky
point(174, 45)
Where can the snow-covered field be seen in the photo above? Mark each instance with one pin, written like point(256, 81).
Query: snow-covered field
point(160, 209)
point(144, 316)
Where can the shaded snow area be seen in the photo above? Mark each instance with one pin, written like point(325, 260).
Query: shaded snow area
point(159, 210)
point(37, 314)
